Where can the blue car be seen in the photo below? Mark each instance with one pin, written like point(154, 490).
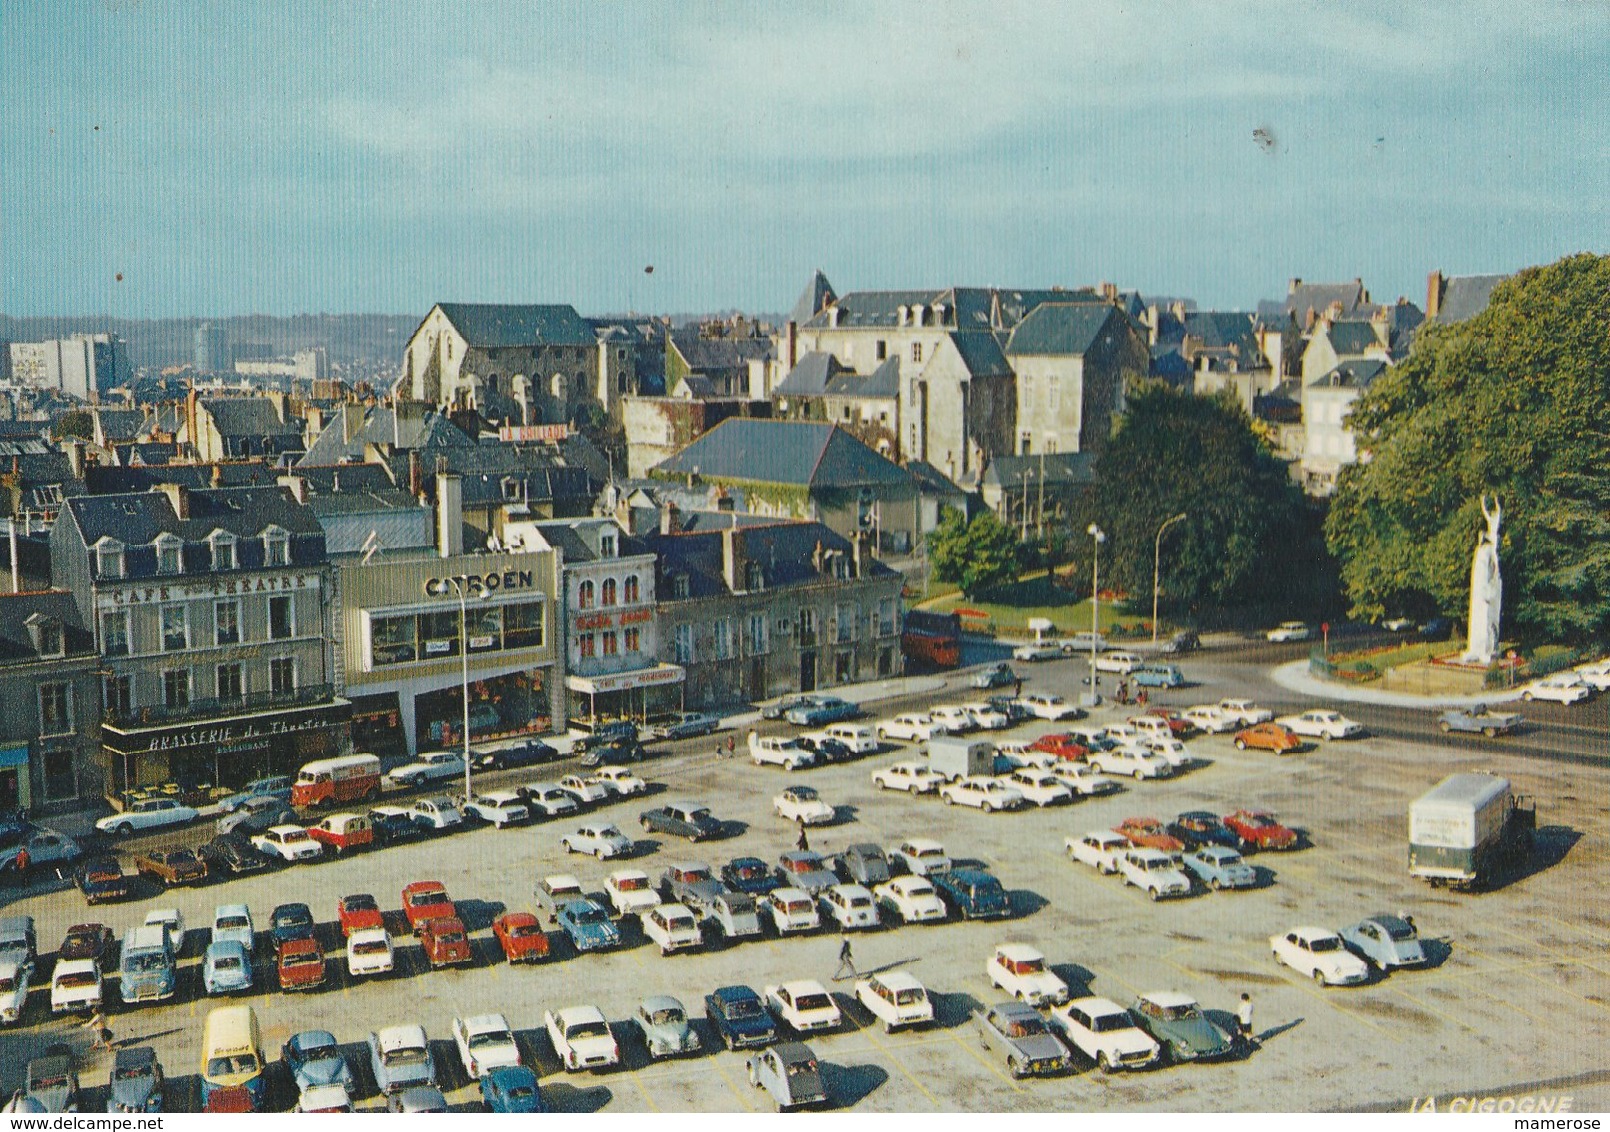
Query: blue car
point(1158, 676)
point(275, 786)
point(824, 709)
point(588, 926)
point(512, 1088)
point(288, 922)
point(739, 1017)
point(749, 875)
point(972, 892)
point(1220, 867)
point(314, 1058)
point(227, 968)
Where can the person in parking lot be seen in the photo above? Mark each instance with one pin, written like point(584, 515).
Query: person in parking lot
point(1243, 1017)
point(846, 960)
point(804, 843)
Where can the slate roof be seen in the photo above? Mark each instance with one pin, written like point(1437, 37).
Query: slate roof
point(109, 480)
point(1062, 469)
point(120, 424)
point(810, 376)
point(696, 386)
point(1466, 296)
point(818, 293)
point(1015, 305)
point(492, 325)
point(17, 644)
point(882, 383)
point(705, 354)
point(1353, 336)
point(785, 551)
point(1222, 328)
point(431, 433)
point(338, 479)
point(1168, 363)
point(248, 416)
point(806, 453)
point(146, 452)
point(966, 308)
point(930, 480)
point(980, 352)
point(1059, 329)
point(1353, 373)
point(395, 519)
point(1318, 297)
point(578, 538)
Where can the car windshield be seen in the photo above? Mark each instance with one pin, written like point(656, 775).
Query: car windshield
point(909, 996)
point(297, 915)
point(233, 1063)
point(370, 947)
point(919, 888)
point(131, 1073)
point(1179, 1013)
point(795, 1068)
point(403, 1055)
point(1261, 821)
point(1107, 1023)
point(524, 931)
point(1325, 943)
point(1026, 966)
point(454, 936)
point(743, 1008)
point(667, 1017)
point(520, 1092)
point(321, 1053)
point(52, 1081)
point(143, 963)
point(427, 898)
point(1226, 859)
point(798, 906)
point(362, 904)
point(803, 793)
point(591, 916)
point(226, 963)
point(699, 816)
point(491, 1038)
point(859, 901)
point(587, 1030)
point(1399, 931)
point(631, 884)
point(690, 876)
point(1024, 1027)
point(7, 985)
point(231, 923)
point(749, 871)
point(812, 1002)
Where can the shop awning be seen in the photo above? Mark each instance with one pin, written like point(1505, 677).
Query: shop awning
point(620, 681)
point(225, 732)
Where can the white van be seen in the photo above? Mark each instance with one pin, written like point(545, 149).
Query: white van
point(860, 739)
point(349, 778)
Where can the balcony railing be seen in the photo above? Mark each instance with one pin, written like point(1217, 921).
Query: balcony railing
point(199, 711)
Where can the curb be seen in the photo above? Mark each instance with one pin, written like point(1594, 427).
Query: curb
point(1295, 677)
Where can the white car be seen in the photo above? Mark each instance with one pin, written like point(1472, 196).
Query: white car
point(171, 921)
point(1020, 971)
point(369, 952)
point(1211, 719)
point(1246, 712)
point(1019, 753)
point(548, 799)
point(581, 1037)
point(851, 906)
point(954, 718)
point(1099, 849)
point(630, 891)
point(288, 843)
point(860, 738)
point(501, 808)
point(429, 767)
point(14, 979)
point(1134, 761)
point(1595, 675)
point(895, 999)
point(1105, 1033)
point(1082, 779)
point(1169, 749)
point(1043, 705)
point(1041, 787)
point(1037, 650)
point(1123, 733)
point(1123, 663)
point(786, 753)
point(672, 927)
point(912, 777)
point(1320, 954)
point(1154, 872)
point(619, 780)
point(921, 856)
point(985, 717)
point(1561, 687)
point(75, 986)
point(152, 813)
point(1290, 631)
point(485, 1042)
point(599, 839)
point(790, 910)
point(1320, 724)
point(802, 804)
point(584, 789)
point(1082, 642)
point(803, 1005)
point(913, 899)
point(987, 794)
point(912, 728)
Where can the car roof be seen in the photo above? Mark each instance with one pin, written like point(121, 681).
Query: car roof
point(369, 933)
point(71, 966)
point(478, 1023)
point(897, 980)
point(628, 874)
point(309, 1039)
point(1014, 1009)
point(737, 992)
point(1311, 932)
point(1388, 920)
point(661, 1002)
point(583, 1012)
point(923, 845)
point(802, 986)
point(789, 892)
point(561, 880)
point(231, 910)
point(1017, 952)
point(1147, 853)
point(1097, 1005)
point(792, 1053)
point(226, 947)
point(1168, 998)
point(396, 1037)
point(134, 1057)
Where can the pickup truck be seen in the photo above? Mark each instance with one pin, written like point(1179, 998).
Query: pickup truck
point(974, 893)
point(681, 819)
point(1480, 720)
point(170, 867)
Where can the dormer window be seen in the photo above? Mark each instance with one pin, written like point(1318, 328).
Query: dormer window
point(109, 558)
point(606, 546)
point(170, 557)
point(276, 547)
point(754, 576)
point(679, 586)
point(47, 636)
point(223, 550)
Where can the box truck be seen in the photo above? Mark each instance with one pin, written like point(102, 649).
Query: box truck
point(1467, 828)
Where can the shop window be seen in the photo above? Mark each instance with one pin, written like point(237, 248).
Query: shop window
point(281, 625)
point(630, 590)
point(276, 547)
point(170, 559)
point(175, 629)
point(393, 640)
point(60, 774)
point(588, 645)
point(109, 559)
point(119, 695)
point(612, 644)
point(609, 591)
point(55, 709)
point(524, 625)
point(439, 633)
point(634, 640)
point(485, 628)
point(584, 594)
point(231, 687)
point(282, 676)
point(684, 644)
point(176, 688)
point(115, 633)
point(724, 638)
point(223, 551)
point(226, 622)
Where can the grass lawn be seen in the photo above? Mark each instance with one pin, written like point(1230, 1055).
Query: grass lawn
point(1011, 607)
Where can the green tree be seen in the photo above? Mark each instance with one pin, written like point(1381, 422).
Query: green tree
point(978, 556)
point(74, 422)
point(1246, 537)
point(1515, 401)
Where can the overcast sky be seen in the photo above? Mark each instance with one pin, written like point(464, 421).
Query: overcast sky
point(278, 158)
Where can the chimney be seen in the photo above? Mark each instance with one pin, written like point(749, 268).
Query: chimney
point(416, 474)
point(217, 475)
point(833, 316)
point(351, 420)
point(449, 515)
point(1435, 283)
point(1109, 291)
point(731, 558)
point(75, 458)
point(670, 519)
point(858, 552)
point(298, 486)
point(178, 495)
point(791, 343)
point(190, 419)
point(1291, 288)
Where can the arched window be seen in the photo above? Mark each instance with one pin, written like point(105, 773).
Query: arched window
point(609, 591)
point(584, 595)
point(631, 589)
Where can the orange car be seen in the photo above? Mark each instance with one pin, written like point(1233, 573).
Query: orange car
point(521, 937)
point(1151, 833)
point(1268, 737)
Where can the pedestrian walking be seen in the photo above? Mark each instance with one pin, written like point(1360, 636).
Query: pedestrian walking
point(103, 1033)
point(1017, 687)
point(1243, 1017)
point(846, 960)
point(732, 744)
point(803, 844)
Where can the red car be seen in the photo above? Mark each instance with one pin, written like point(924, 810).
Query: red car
point(1268, 737)
point(358, 912)
point(1151, 833)
point(1258, 829)
point(301, 964)
point(1060, 745)
point(1177, 723)
point(521, 937)
point(89, 941)
point(445, 941)
point(426, 900)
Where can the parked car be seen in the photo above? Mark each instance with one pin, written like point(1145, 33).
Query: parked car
point(1099, 849)
point(501, 809)
point(300, 964)
point(663, 1023)
point(436, 813)
point(684, 725)
point(1290, 631)
point(858, 737)
point(1082, 642)
point(484, 1042)
point(430, 766)
point(1037, 650)
point(76, 986)
point(1154, 872)
point(995, 676)
point(1016, 1031)
point(547, 800)
point(36, 847)
point(1322, 724)
point(911, 899)
point(1276, 737)
point(773, 750)
point(1082, 780)
point(818, 710)
point(691, 883)
point(521, 937)
point(973, 893)
point(275, 786)
point(600, 839)
point(618, 751)
point(170, 920)
point(987, 794)
point(400, 1058)
point(531, 752)
point(1200, 827)
point(1249, 713)
point(620, 781)
point(1061, 745)
point(1436, 629)
point(1186, 640)
point(921, 856)
point(369, 952)
point(1479, 719)
point(100, 878)
point(1150, 833)
point(630, 891)
point(135, 1082)
point(791, 910)
point(588, 926)
point(738, 1017)
point(1219, 867)
point(314, 1060)
point(863, 863)
point(681, 819)
point(1158, 676)
point(804, 868)
point(735, 916)
point(1258, 829)
point(912, 777)
point(420, 1098)
point(289, 921)
point(1123, 663)
point(147, 814)
point(1044, 705)
point(748, 874)
point(358, 912)
point(581, 1037)
point(1561, 687)
point(1105, 1033)
point(556, 890)
point(171, 866)
point(514, 1089)
point(393, 824)
point(426, 900)
point(445, 942)
point(343, 832)
point(896, 999)
point(256, 814)
point(802, 804)
point(803, 1006)
point(1211, 719)
point(1134, 761)
point(954, 718)
point(1021, 971)
point(1320, 954)
point(672, 927)
point(850, 907)
point(289, 843)
point(52, 1080)
point(1385, 942)
point(233, 922)
point(89, 941)
point(790, 1075)
point(986, 716)
point(826, 748)
point(1039, 787)
point(585, 790)
point(1179, 1027)
point(913, 727)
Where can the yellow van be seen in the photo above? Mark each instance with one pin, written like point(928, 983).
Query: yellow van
point(232, 1052)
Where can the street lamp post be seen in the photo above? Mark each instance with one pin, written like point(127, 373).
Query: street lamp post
point(1157, 568)
point(1023, 534)
point(460, 584)
point(1098, 537)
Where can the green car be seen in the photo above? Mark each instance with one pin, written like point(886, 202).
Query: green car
point(1180, 1027)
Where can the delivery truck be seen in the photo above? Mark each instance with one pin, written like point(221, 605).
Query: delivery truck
point(956, 758)
point(1467, 829)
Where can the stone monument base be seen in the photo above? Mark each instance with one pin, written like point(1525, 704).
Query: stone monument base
point(1424, 678)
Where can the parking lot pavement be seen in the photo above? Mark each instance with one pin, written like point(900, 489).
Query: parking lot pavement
point(1520, 990)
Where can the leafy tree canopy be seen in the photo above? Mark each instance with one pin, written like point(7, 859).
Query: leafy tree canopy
point(1515, 401)
point(74, 422)
point(978, 556)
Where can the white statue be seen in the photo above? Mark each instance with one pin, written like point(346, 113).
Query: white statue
point(1486, 591)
